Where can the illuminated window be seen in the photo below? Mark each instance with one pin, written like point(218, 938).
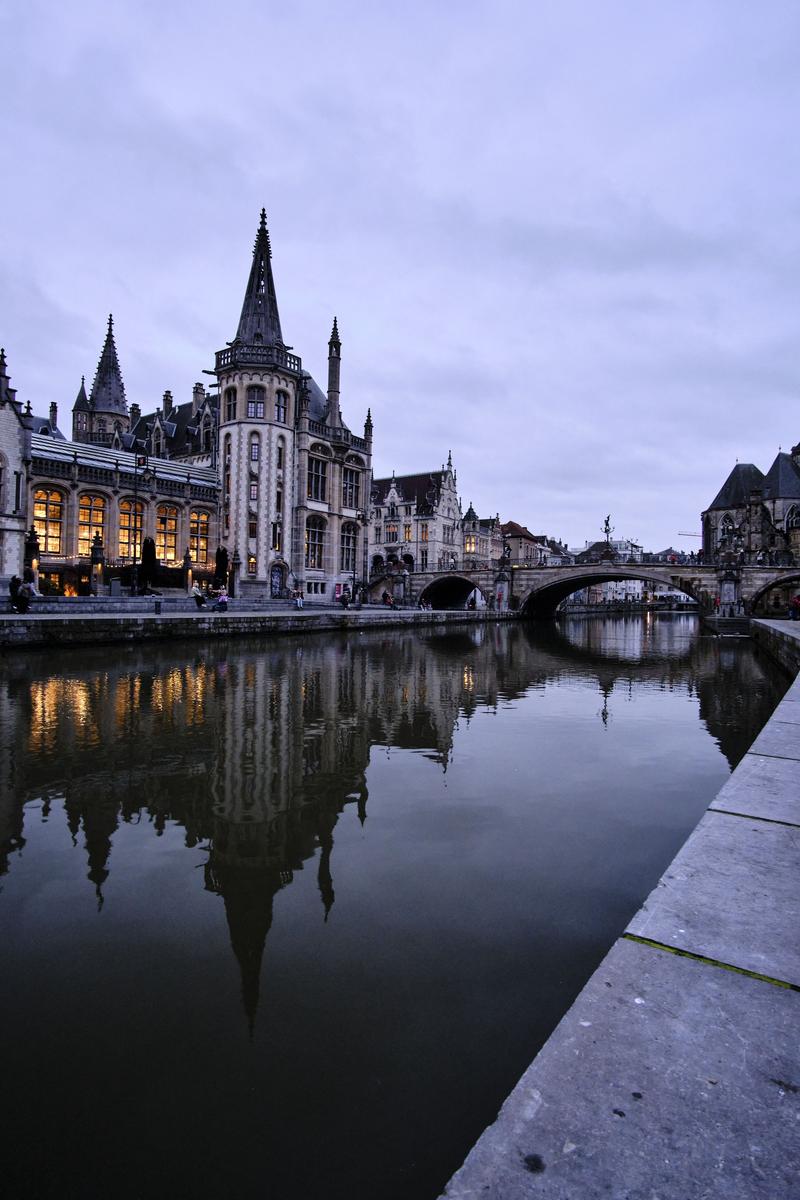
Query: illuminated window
point(315, 542)
point(317, 479)
point(167, 533)
point(349, 547)
point(423, 532)
point(48, 519)
point(391, 532)
point(470, 544)
point(130, 529)
point(277, 539)
point(91, 520)
point(406, 533)
point(251, 564)
point(198, 536)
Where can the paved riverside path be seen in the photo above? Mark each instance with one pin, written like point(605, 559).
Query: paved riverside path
point(108, 624)
point(676, 1073)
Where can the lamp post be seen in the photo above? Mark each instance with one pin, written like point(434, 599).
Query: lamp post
point(187, 570)
point(139, 460)
point(32, 554)
point(98, 558)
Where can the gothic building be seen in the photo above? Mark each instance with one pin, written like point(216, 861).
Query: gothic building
point(265, 469)
point(756, 517)
point(416, 522)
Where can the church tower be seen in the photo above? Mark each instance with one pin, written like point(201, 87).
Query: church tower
point(259, 386)
point(295, 480)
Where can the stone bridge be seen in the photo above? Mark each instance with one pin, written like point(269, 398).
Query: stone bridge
point(537, 591)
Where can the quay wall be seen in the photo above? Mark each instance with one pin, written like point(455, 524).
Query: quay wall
point(676, 1072)
point(34, 631)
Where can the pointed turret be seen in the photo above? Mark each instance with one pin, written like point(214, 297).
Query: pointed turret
point(368, 426)
point(108, 390)
point(259, 323)
point(81, 400)
point(334, 367)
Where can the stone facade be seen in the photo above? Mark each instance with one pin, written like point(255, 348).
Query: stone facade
point(266, 472)
point(15, 437)
point(416, 522)
point(755, 518)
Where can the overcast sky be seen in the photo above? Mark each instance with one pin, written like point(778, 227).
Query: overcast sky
point(561, 239)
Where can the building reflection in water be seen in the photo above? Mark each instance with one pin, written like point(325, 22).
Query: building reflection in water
point(256, 752)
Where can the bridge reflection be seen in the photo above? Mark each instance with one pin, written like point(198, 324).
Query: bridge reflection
point(254, 752)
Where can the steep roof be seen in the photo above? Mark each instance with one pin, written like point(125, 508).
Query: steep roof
point(260, 322)
point(782, 480)
point(513, 529)
point(422, 490)
point(108, 390)
point(735, 491)
point(81, 400)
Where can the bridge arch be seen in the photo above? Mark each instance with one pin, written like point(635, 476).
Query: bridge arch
point(788, 582)
point(449, 591)
point(542, 599)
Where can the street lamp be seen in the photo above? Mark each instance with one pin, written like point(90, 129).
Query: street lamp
point(139, 460)
point(32, 552)
point(98, 558)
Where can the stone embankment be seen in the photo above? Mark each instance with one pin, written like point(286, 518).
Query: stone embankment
point(139, 622)
point(676, 1073)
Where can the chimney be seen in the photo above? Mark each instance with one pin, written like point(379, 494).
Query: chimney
point(53, 415)
point(167, 403)
point(198, 396)
point(136, 415)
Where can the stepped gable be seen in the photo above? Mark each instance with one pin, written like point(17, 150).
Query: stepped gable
point(735, 491)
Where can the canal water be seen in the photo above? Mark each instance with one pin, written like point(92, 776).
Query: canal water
point(288, 919)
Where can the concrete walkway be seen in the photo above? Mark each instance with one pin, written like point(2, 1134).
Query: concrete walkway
point(676, 1073)
point(35, 630)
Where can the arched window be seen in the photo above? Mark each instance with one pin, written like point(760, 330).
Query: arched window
point(725, 531)
point(280, 407)
point(349, 547)
point(48, 519)
point(255, 402)
point(198, 536)
point(251, 564)
point(255, 448)
point(377, 564)
point(205, 437)
point(793, 517)
point(315, 543)
point(167, 533)
point(91, 520)
point(391, 531)
point(230, 404)
point(280, 454)
point(130, 529)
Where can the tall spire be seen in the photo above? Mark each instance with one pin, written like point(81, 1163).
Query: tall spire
point(108, 390)
point(260, 322)
point(334, 366)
